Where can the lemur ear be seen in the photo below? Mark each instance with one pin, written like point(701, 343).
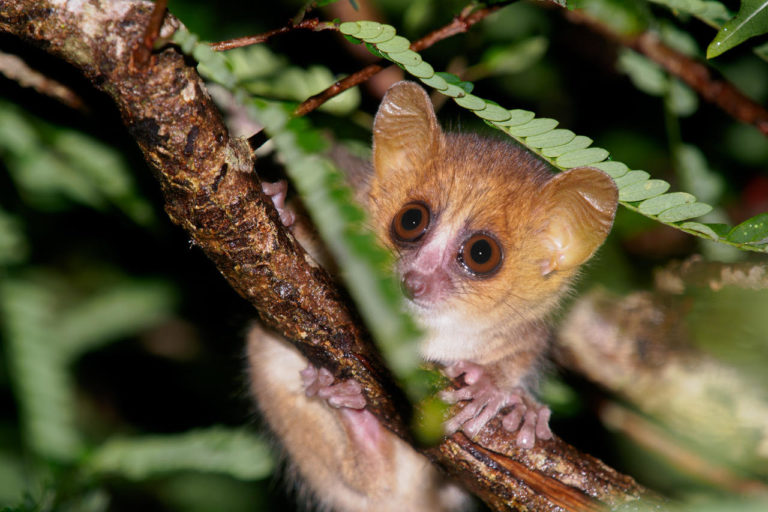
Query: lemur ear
point(580, 205)
point(405, 130)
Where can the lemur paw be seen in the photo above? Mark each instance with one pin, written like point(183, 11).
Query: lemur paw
point(319, 383)
point(277, 191)
point(486, 400)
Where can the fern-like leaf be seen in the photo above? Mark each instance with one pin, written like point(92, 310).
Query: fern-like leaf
point(237, 453)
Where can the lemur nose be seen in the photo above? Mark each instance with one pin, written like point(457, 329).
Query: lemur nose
point(414, 284)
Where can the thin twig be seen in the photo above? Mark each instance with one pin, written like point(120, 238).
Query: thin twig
point(143, 50)
point(460, 24)
point(697, 75)
point(14, 68)
point(310, 24)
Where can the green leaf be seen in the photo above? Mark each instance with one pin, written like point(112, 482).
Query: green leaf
point(349, 28)
point(762, 51)
point(556, 137)
point(695, 174)
point(578, 142)
point(681, 98)
point(493, 113)
point(656, 205)
point(369, 30)
point(41, 381)
point(626, 18)
point(470, 102)
point(514, 57)
point(387, 33)
point(712, 12)
point(701, 228)
point(120, 309)
point(421, 70)
point(750, 21)
point(394, 45)
point(13, 243)
point(106, 170)
point(631, 178)
point(684, 211)
point(582, 157)
point(375, 51)
point(435, 81)
point(645, 74)
point(533, 127)
point(237, 453)
point(643, 190)
point(751, 231)
point(613, 169)
point(517, 117)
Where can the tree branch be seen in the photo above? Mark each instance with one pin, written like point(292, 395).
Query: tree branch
point(310, 24)
point(697, 75)
point(211, 191)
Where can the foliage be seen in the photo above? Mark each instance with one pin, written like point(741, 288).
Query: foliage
point(115, 376)
point(750, 21)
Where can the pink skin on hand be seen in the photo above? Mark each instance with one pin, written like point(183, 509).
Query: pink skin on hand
point(486, 400)
point(277, 192)
point(347, 396)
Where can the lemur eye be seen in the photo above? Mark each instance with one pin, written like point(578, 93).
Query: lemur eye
point(480, 254)
point(411, 222)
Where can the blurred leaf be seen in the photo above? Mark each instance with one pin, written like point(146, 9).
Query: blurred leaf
point(16, 132)
point(42, 384)
point(678, 38)
point(514, 57)
point(750, 21)
point(626, 18)
point(761, 51)
point(712, 12)
point(650, 78)
point(13, 243)
point(106, 171)
point(262, 72)
point(745, 144)
point(748, 74)
point(645, 74)
point(50, 183)
point(695, 174)
point(12, 478)
point(54, 166)
point(207, 492)
point(123, 308)
point(418, 14)
point(681, 98)
point(234, 452)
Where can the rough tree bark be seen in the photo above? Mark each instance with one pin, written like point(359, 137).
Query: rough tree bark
point(211, 191)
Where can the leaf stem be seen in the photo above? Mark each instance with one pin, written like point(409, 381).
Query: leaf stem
point(460, 24)
point(310, 24)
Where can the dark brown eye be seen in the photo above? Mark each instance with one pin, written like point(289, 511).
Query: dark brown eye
point(411, 222)
point(480, 254)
